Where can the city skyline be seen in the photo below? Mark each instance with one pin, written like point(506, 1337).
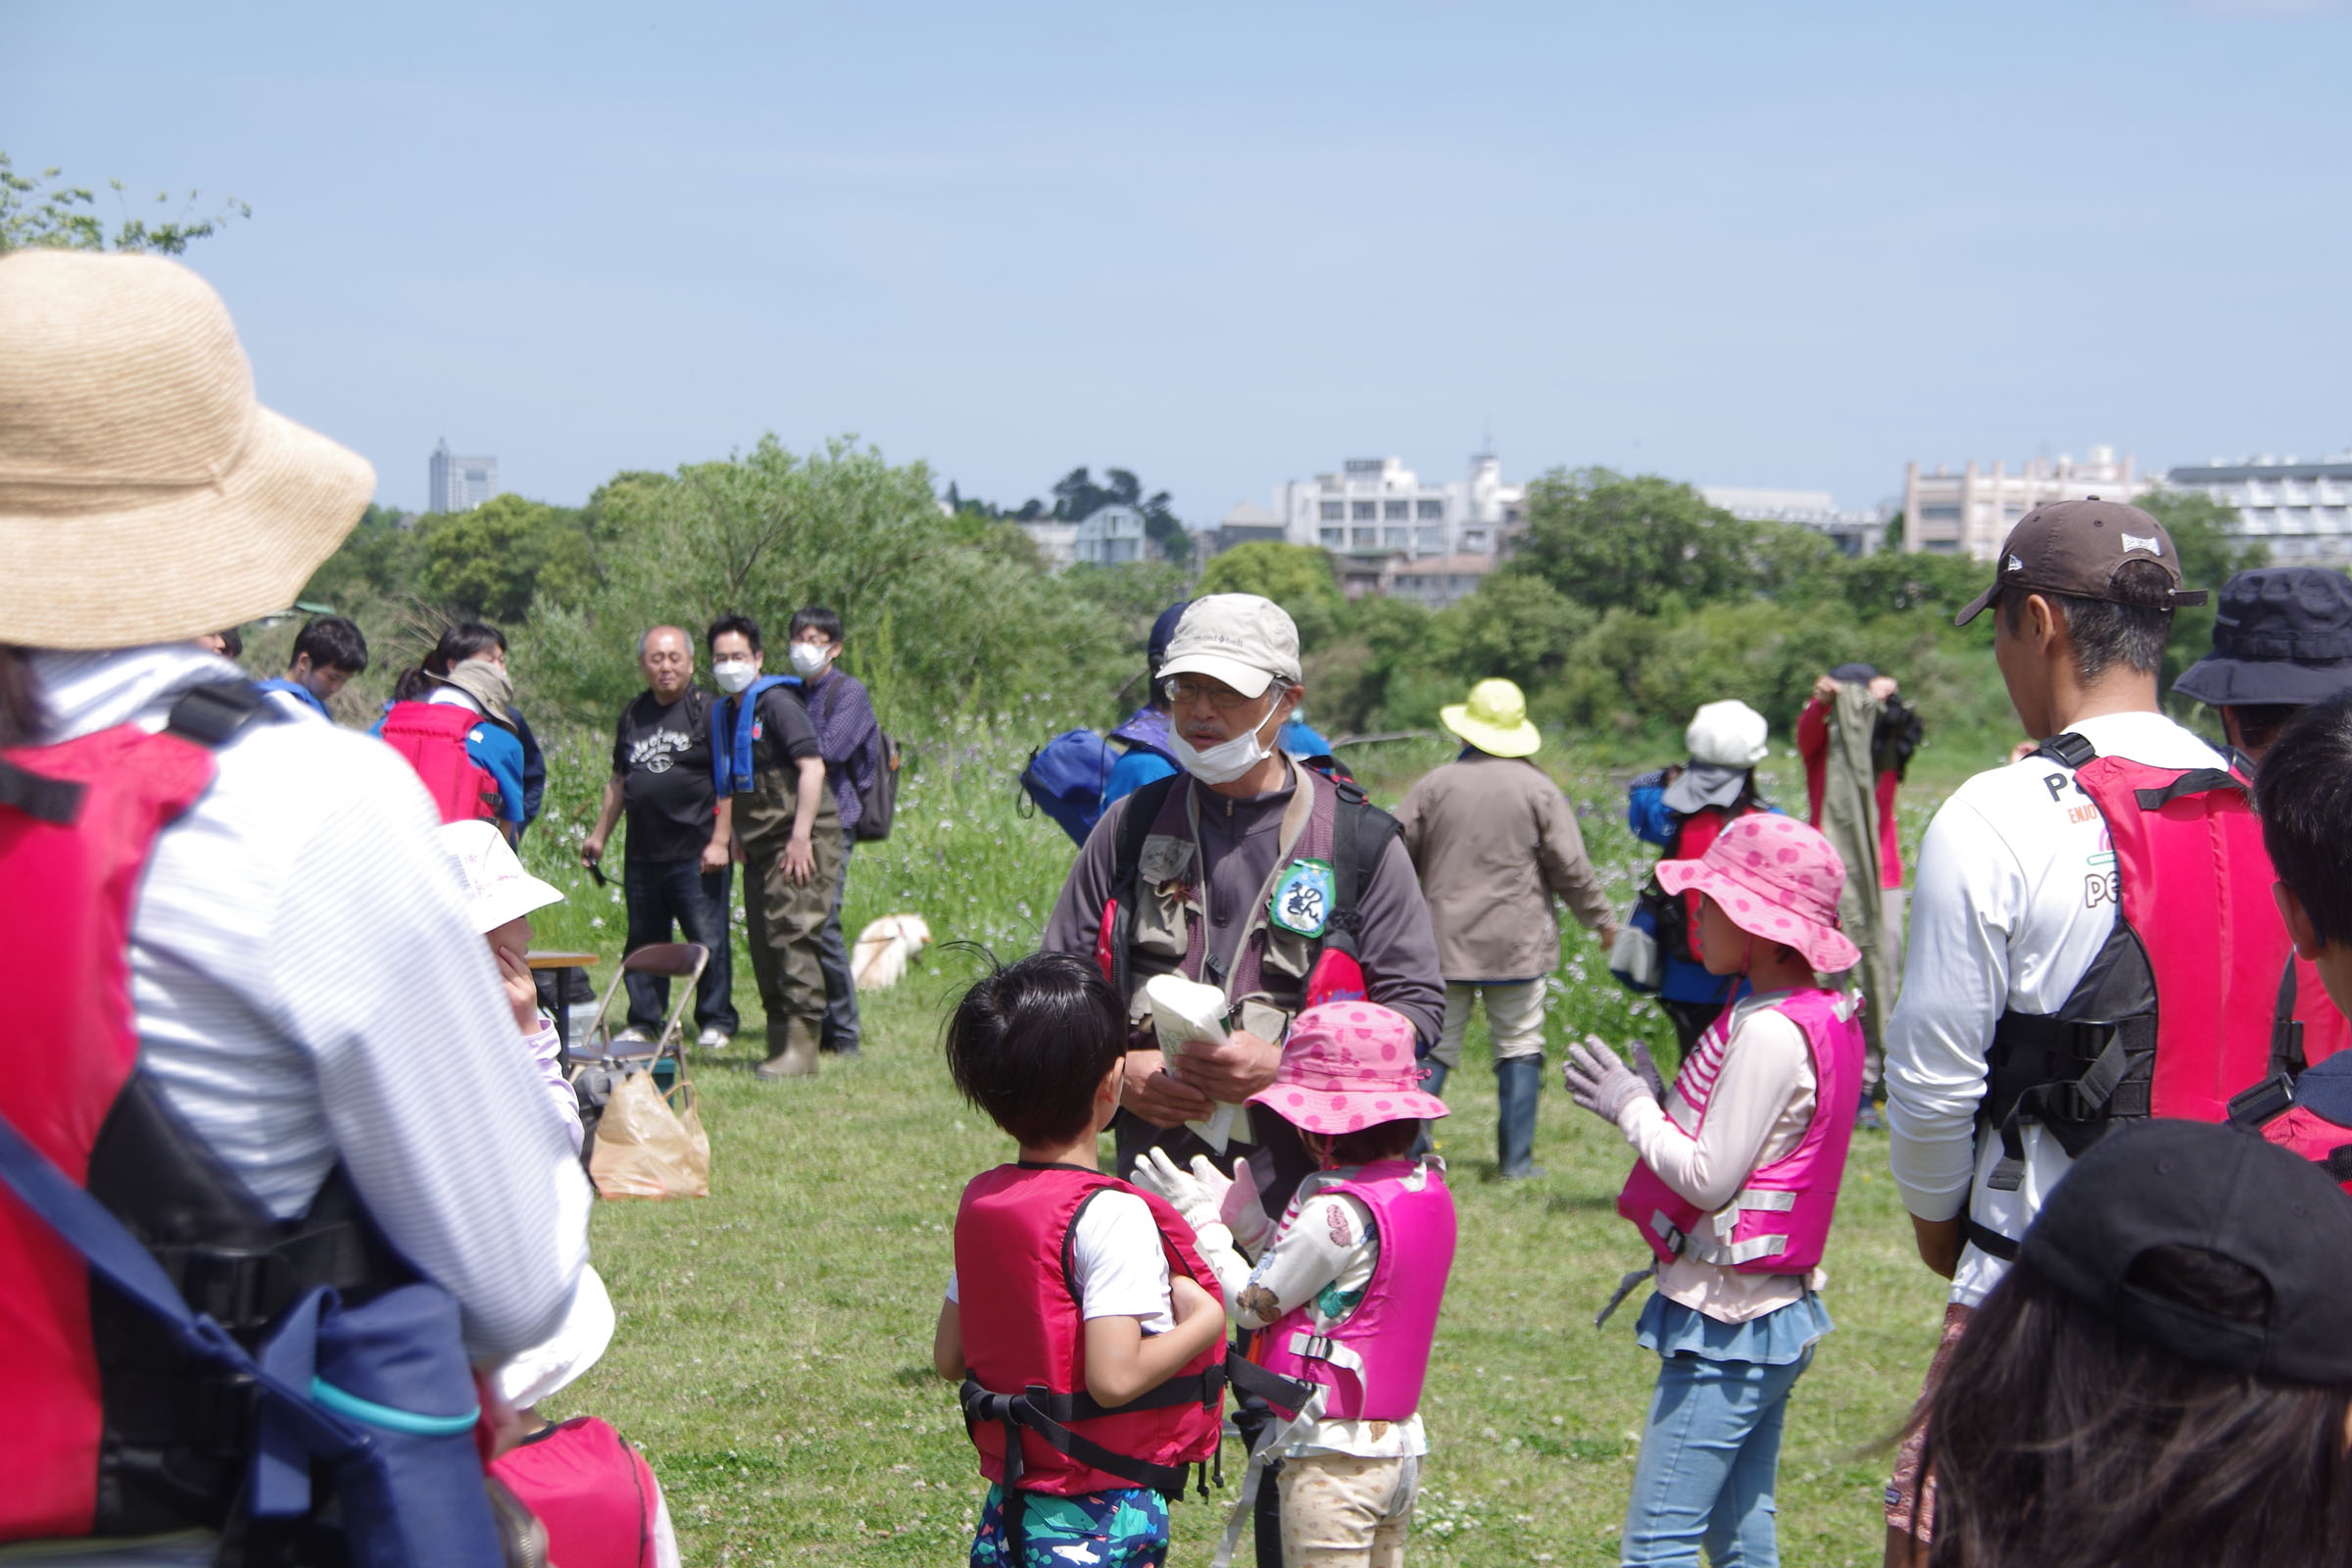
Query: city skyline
point(1794, 251)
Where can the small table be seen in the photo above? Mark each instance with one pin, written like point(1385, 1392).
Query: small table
point(563, 963)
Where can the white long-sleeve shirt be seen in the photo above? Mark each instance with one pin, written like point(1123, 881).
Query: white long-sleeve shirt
point(2015, 896)
point(310, 988)
point(1757, 1111)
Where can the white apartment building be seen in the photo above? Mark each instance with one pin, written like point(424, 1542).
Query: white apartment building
point(459, 484)
point(1854, 533)
point(1970, 513)
point(2303, 510)
point(1110, 536)
point(1377, 506)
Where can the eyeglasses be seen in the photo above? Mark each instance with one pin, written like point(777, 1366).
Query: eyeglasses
point(1224, 699)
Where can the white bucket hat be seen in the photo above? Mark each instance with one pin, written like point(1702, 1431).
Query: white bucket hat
point(497, 887)
point(1726, 739)
point(144, 495)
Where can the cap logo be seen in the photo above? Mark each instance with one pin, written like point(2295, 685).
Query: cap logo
point(2132, 541)
point(2015, 564)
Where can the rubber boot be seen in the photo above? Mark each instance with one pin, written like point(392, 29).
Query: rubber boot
point(1518, 1080)
point(796, 1057)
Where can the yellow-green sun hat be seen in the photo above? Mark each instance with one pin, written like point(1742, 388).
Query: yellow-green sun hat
point(1493, 720)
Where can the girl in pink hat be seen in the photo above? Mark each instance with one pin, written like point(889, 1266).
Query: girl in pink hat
point(1345, 1291)
point(1735, 1189)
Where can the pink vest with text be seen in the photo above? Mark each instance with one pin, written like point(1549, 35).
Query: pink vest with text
point(1780, 1219)
point(1374, 1364)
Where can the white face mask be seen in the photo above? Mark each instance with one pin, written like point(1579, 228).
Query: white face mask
point(734, 676)
point(808, 659)
point(1222, 763)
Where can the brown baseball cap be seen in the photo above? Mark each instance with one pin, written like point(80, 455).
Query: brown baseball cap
point(2075, 548)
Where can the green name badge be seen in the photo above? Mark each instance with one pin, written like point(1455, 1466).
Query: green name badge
point(1301, 899)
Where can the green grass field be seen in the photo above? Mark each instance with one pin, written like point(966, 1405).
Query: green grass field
point(774, 1357)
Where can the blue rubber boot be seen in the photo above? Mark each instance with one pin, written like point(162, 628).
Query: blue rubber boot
point(1518, 1080)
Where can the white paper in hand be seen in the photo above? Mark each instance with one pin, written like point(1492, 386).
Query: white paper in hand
point(1186, 1013)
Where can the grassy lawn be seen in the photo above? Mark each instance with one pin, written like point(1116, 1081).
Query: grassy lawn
point(774, 1357)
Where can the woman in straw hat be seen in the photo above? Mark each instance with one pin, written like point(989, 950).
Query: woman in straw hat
point(294, 1040)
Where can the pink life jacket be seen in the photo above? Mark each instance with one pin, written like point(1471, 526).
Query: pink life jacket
point(595, 1494)
point(1373, 1364)
point(1780, 1219)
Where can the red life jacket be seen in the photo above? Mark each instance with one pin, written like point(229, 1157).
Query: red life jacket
point(2175, 1012)
point(432, 737)
point(112, 1432)
point(1024, 1346)
point(595, 1494)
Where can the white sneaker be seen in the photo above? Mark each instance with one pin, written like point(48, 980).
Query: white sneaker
point(632, 1036)
point(712, 1040)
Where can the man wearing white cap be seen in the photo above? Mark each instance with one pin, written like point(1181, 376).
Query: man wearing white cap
point(1249, 873)
point(1495, 843)
point(254, 1021)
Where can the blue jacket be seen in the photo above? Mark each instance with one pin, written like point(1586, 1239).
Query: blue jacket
point(1654, 821)
point(278, 683)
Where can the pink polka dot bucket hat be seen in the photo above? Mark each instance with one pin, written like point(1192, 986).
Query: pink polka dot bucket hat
point(1348, 1065)
point(1777, 879)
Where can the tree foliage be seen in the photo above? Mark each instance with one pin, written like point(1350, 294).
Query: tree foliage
point(39, 210)
point(1609, 541)
point(1297, 578)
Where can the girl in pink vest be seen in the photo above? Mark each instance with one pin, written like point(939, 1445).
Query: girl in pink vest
point(1345, 1291)
point(1735, 1189)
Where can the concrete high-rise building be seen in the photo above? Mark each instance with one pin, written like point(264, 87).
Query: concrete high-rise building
point(456, 483)
point(1377, 507)
point(2302, 510)
point(1970, 513)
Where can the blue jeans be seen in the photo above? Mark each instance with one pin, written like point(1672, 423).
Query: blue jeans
point(655, 893)
point(1710, 1458)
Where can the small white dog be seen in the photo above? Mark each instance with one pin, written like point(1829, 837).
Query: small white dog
point(883, 947)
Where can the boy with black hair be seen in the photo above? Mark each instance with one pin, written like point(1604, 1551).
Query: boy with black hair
point(1079, 1304)
point(327, 653)
point(850, 739)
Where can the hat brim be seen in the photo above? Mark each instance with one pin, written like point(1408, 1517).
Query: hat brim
point(1247, 680)
point(1827, 949)
point(513, 899)
point(117, 568)
point(1976, 606)
point(2220, 682)
point(557, 1361)
point(1494, 739)
point(1702, 784)
point(1332, 1112)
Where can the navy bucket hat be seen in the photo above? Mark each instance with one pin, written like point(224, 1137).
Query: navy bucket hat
point(2281, 634)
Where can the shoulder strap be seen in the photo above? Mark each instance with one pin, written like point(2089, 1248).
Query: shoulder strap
point(1144, 807)
point(2286, 1030)
point(2068, 750)
point(215, 714)
point(1359, 837)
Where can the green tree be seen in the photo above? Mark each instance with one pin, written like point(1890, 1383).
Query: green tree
point(494, 562)
point(1608, 541)
point(1297, 578)
point(1520, 628)
point(2211, 552)
point(38, 210)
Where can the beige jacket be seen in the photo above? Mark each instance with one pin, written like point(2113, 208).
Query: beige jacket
point(1495, 842)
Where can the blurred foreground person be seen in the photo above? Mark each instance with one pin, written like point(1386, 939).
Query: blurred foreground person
point(260, 1063)
point(2281, 640)
point(2164, 1378)
point(1496, 841)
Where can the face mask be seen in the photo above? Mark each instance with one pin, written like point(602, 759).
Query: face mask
point(734, 676)
point(1222, 763)
point(808, 659)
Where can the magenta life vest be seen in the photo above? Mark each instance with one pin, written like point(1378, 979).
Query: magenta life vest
point(594, 1492)
point(432, 737)
point(1374, 1362)
point(1024, 1346)
point(1779, 1218)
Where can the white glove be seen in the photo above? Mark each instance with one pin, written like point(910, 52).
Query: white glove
point(1243, 1208)
point(1599, 1081)
point(1649, 1070)
point(1195, 1195)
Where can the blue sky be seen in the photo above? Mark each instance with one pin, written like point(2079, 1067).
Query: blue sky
point(1787, 245)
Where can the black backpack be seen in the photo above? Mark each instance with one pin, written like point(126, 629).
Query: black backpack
point(878, 802)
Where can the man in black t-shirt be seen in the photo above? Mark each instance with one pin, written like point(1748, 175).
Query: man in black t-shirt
point(676, 866)
point(790, 827)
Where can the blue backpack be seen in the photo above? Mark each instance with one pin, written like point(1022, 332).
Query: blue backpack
point(1065, 776)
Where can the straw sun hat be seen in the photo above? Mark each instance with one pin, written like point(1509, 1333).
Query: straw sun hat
point(144, 495)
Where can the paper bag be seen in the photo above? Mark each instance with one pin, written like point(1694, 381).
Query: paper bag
point(1185, 1012)
point(651, 1146)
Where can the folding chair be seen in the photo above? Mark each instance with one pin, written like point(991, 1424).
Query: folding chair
point(683, 963)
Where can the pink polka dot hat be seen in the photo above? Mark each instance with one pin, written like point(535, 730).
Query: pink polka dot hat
point(1777, 879)
point(1348, 1065)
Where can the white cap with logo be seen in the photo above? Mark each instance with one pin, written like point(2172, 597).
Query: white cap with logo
point(1241, 639)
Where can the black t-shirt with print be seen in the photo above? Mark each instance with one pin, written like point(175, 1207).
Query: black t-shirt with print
point(662, 756)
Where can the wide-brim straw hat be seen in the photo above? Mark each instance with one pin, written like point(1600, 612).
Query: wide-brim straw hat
point(145, 496)
point(1494, 719)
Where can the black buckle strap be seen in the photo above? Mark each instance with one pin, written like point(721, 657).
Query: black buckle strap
point(1251, 1381)
point(2068, 750)
point(245, 1289)
point(2250, 1108)
point(2286, 1030)
point(2196, 781)
point(213, 715)
point(1017, 1412)
point(44, 799)
point(2076, 1109)
point(1989, 1240)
